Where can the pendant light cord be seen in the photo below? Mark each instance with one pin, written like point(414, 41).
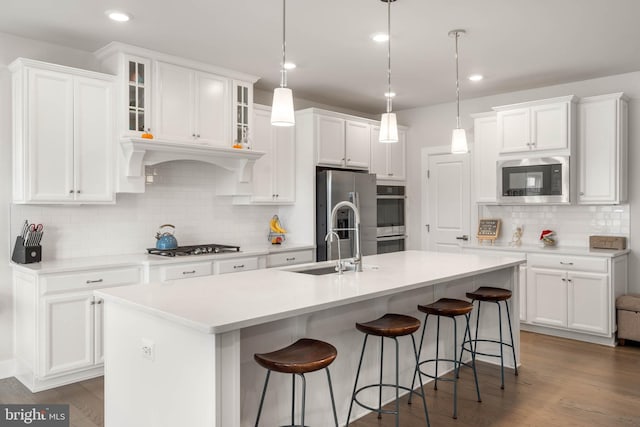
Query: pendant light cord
point(283, 71)
point(457, 35)
point(389, 56)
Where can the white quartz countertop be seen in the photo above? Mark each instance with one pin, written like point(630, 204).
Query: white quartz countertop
point(217, 304)
point(141, 259)
point(552, 250)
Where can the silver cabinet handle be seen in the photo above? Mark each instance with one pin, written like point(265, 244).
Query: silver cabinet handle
point(238, 266)
point(189, 272)
point(92, 302)
point(94, 281)
point(198, 136)
point(70, 191)
point(566, 263)
point(564, 280)
point(78, 192)
point(290, 259)
point(99, 301)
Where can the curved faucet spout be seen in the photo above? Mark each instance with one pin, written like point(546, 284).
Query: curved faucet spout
point(357, 258)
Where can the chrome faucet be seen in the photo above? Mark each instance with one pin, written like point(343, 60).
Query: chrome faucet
point(357, 258)
point(329, 238)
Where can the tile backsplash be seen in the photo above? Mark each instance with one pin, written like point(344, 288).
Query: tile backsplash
point(183, 194)
point(573, 224)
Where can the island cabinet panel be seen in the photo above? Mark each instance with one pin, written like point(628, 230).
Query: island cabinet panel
point(59, 324)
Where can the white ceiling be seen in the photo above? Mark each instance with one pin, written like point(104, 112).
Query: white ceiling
point(516, 44)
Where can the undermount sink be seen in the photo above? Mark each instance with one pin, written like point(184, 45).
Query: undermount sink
point(319, 271)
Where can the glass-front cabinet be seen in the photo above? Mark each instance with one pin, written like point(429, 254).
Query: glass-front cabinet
point(243, 106)
point(138, 84)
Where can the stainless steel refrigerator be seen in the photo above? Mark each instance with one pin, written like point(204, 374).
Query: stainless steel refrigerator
point(333, 186)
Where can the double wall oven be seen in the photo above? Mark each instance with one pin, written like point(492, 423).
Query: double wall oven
point(390, 235)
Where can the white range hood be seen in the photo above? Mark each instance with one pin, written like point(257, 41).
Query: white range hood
point(136, 153)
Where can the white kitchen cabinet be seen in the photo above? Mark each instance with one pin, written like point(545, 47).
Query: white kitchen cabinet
point(602, 149)
point(388, 161)
point(58, 323)
point(293, 257)
point(273, 173)
point(243, 116)
point(342, 142)
point(545, 125)
point(63, 142)
point(547, 299)
point(236, 265)
point(191, 105)
point(485, 157)
point(588, 302)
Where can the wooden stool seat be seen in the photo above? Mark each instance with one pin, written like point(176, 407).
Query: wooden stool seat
point(390, 325)
point(304, 355)
point(447, 307)
point(486, 293)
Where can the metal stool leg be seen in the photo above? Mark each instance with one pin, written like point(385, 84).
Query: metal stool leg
point(456, 369)
point(333, 401)
point(513, 345)
point(475, 343)
point(435, 382)
point(304, 392)
point(397, 382)
point(264, 392)
point(417, 371)
point(424, 401)
point(355, 384)
point(380, 388)
point(473, 356)
point(293, 399)
point(501, 350)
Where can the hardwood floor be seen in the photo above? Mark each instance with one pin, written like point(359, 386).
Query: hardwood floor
point(561, 383)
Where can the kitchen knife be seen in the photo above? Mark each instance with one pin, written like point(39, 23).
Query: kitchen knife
point(25, 228)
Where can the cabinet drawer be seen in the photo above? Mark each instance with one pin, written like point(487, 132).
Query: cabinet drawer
point(289, 258)
point(235, 265)
point(185, 271)
point(571, 263)
point(91, 279)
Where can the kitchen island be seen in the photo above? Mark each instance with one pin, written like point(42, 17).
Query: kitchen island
point(181, 353)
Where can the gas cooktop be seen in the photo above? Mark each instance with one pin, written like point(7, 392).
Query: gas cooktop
point(211, 248)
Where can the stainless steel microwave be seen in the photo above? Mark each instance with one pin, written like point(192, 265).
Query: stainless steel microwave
point(543, 180)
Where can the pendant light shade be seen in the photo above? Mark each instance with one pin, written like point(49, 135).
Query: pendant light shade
point(388, 122)
point(282, 112)
point(459, 137)
point(388, 128)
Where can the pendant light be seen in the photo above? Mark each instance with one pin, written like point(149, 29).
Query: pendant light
point(388, 122)
point(282, 113)
point(459, 136)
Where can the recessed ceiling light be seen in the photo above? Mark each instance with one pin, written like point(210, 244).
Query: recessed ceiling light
point(476, 77)
point(389, 94)
point(116, 15)
point(380, 37)
point(289, 65)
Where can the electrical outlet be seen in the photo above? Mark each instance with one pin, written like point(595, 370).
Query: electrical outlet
point(148, 349)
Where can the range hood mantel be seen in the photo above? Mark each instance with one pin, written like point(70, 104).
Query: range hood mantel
point(136, 153)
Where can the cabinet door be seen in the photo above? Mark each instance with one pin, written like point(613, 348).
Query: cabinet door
point(263, 173)
point(397, 160)
point(378, 154)
point(330, 139)
point(174, 103)
point(485, 155)
point(550, 126)
point(212, 109)
point(50, 136)
point(358, 144)
point(514, 132)
point(138, 109)
point(98, 331)
point(68, 333)
point(598, 151)
point(285, 164)
point(589, 304)
point(93, 141)
point(547, 297)
point(522, 271)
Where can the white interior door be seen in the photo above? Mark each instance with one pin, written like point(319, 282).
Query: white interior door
point(448, 201)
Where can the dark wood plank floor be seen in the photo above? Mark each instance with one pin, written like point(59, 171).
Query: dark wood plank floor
point(561, 383)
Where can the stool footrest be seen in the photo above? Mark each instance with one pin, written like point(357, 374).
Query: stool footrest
point(441, 378)
point(382, 411)
point(467, 346)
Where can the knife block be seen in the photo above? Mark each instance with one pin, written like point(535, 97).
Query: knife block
point(26, 254)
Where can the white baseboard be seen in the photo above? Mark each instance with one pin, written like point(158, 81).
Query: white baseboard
point(7, 368)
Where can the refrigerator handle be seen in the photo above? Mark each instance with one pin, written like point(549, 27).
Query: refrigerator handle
point(354, 197)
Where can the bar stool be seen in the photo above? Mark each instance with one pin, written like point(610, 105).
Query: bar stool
point(304, 356)
point(495, 295)
point(451, 308)
point(388, 326)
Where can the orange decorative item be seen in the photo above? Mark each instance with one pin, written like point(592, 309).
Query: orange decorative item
point(237, 145)
point(147, 135)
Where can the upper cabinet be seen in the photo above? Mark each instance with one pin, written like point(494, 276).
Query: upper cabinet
point(273, 173)
point(388, 161)
point(243, 112)
point(62, 134)
point(485, 157)
point(602, 149)
point(342, 142)
point(191, 105)
point(545, 125)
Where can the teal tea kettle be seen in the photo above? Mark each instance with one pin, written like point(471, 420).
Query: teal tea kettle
point(166, 239)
